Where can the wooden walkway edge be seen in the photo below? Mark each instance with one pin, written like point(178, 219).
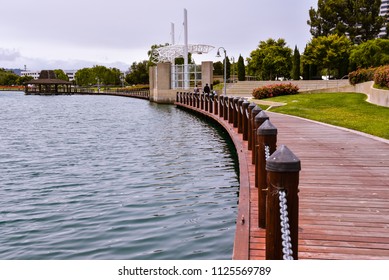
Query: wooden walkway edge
point(344, 191)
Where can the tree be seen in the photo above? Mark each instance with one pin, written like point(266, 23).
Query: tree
point(8, 78)
point(372, 53)
point(359, 19)
point(296, 64)
point(24, 79)
point(218, 68)
point(241, 69)
point(85, 77)
point(270, 60)
point(228, 67)
point(61, 75)
point(139, 73)
point(329, 53)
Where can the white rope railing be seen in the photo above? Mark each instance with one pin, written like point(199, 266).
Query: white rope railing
point(267, 152)
point(285, 232)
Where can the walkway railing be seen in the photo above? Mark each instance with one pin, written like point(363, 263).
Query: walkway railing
point(142, 94)
point(276, 171)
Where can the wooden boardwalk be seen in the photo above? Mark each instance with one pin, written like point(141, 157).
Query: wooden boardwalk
point(344, 192)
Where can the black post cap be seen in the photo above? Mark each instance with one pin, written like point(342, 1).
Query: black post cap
point(267, 128)
point(256, 110)
point(260, 117)
point(283, 160)
point(252, 105)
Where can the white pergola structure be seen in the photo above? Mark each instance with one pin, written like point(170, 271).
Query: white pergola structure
point(171, 52)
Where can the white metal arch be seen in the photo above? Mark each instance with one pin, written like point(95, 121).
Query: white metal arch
point(169, 53)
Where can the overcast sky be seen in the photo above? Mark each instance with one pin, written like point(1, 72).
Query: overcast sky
point(72, 34)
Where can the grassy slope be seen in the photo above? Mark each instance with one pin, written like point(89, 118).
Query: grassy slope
point(348, 110)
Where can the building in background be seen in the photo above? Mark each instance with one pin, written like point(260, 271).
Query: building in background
point(70, 74)
point(35, 74)
point(384, 12)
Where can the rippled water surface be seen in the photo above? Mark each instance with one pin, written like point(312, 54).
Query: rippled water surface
point(101, 177)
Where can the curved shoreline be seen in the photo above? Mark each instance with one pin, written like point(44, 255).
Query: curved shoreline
point(242, 230)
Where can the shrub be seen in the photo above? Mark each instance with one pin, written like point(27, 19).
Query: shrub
point(381, 76)
point(275, 90)
point(361, 76)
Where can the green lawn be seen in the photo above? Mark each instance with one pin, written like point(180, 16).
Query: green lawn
point(348, 110)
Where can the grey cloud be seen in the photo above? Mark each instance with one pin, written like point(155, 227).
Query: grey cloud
point(9, 55)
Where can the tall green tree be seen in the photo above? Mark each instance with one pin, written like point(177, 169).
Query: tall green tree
point(241, 69)
point(228, 67)
point(218, 68)
point(372, 53)
point(85, 77)
point(329, 53)
point(270, 60)
point(139, 73)
point(359, 19)
point(7, 78)
point(296, 64)
point(61, 75)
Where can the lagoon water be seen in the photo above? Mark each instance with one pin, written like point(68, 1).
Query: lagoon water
point(102, 177)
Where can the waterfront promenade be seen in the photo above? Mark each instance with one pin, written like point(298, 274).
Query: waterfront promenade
point(343, 191)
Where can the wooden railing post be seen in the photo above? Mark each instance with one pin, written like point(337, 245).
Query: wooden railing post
point(215, 104)
point(194, 100)
point(211, 103)
point(226, 107)
point(254, 112)
point(283, 169)
point(245, 106)
point(259, 119)
point(250, 109)
point(197, 100)
point(202, 101)
point(240, 115)
point(236, 112)
point(230, 110)
point(206, 96)
point(267, 144)
point(221, 106)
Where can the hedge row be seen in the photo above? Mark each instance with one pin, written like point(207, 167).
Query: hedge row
point(361, 76)
point(379, 75)
point(275, 90)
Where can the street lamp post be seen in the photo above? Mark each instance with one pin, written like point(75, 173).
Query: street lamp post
point(225, 68)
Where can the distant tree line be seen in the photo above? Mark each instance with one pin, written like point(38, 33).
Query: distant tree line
point(98, 75)
point(8, 78)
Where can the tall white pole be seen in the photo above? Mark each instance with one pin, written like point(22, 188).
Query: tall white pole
point(186, 63)
point(173, 75)
point(172, 33)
